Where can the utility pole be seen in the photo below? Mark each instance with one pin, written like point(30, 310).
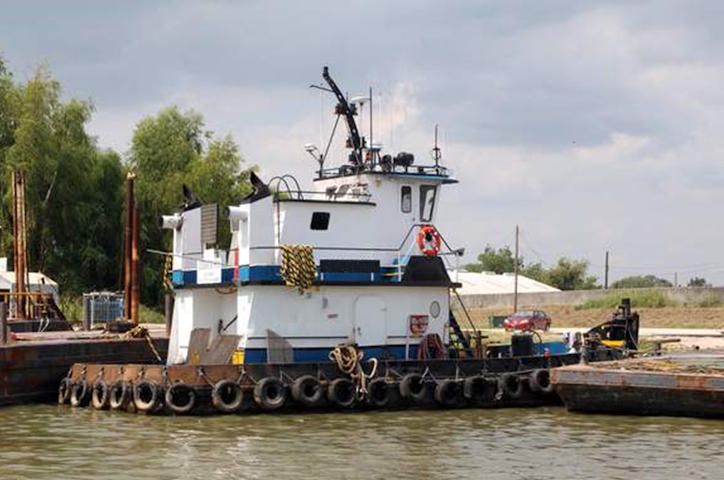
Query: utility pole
point(605, 274)
point(515, 270)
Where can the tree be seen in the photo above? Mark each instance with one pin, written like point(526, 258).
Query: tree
point(698, 282)
point(499, 261)
point(570, 274)
point(641, 281)
point(169, 150)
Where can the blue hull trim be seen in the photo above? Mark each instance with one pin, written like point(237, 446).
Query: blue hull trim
point(258, 355)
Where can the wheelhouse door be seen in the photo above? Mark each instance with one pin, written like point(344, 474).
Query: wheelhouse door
point(370, 321)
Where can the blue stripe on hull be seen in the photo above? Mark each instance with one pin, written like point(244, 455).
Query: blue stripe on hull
point(258, 355)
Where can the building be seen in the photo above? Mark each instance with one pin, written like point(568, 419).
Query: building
point(489, 283)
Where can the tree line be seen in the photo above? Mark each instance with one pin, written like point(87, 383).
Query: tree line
point(75, 188)
point(565, 274)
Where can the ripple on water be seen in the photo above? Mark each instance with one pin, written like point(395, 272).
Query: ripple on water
point(49, 442)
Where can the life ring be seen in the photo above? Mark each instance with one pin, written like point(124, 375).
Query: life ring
point(79, 394)
point(307, 390)
point(413, 387)
point(429, 241)
point(511, 385)
point(270, 393)
point(180, 398)
point(227, 396)
point(479, 390)
point(447, 393)
point(378, 393)
point(146, 395)
point(64, 391)
point(100, 395)
point(342, 392)
point(540, 381)
point(119, 395)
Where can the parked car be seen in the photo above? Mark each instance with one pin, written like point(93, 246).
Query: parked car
point(527, 320)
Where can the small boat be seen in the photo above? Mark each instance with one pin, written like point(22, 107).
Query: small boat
point(337, 296)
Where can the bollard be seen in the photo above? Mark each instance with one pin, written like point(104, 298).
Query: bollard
point(168, 312)
point(4, 322)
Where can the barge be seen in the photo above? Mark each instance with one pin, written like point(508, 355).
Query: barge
point(333, 297)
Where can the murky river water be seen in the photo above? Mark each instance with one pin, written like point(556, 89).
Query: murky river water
point(49, 442)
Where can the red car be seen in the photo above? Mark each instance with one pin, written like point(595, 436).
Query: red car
point(527, 320)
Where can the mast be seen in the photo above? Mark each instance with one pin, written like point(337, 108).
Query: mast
point(343, 108)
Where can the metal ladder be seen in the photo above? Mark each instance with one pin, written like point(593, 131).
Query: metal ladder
point(457, 337)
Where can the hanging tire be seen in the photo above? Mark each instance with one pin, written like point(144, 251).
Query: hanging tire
point(447, 393)
point(64, 391)
point(413, 387)
point(146, 396)
point(270, 393)
point(180, 398)
point(307, 391)
point(342, 392)
point(479, 390)
point(119, 395)
point(540, 381)
point(227, 396)
point(100, 395)
point(79, 394)
point(378, 393)
point(511, 385)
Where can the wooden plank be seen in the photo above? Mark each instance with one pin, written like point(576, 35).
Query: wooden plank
point(221, 349)
point(198, 344)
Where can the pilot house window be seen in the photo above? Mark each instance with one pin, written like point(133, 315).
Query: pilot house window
point(320, 221)
point(406, 199)
point(427, 202)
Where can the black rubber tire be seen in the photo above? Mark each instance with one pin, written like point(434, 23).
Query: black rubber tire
point(480, 390)
point(80, 394)
point(447, 393)
point(378, 393)
point(342, 392)
point(146, 396)
point(227, 396)
point(540, 381)
point(413, 387)
point(100, 395)
point(307, 391)
point(64, 391)
point(511, 385)
point(180, 391)
point(119, 395)
point(270, 393)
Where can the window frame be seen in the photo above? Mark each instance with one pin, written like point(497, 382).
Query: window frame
point(423, 202)
point(320, 221)
point(402, 198)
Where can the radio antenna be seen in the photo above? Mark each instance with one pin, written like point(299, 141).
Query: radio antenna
point(436, 152)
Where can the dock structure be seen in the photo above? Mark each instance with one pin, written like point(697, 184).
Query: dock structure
point(690, 385)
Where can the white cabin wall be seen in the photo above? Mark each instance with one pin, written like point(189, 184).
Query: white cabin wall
point(261, 228)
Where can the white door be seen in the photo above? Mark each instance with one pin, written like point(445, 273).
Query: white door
point(370, 323)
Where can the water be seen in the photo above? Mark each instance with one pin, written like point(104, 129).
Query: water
point(50, 442)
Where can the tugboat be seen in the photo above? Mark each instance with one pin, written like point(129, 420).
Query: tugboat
point(333, 297)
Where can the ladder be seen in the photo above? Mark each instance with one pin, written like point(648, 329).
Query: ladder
point(457, 338)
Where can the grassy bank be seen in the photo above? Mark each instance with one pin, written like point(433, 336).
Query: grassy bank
point(651, 317)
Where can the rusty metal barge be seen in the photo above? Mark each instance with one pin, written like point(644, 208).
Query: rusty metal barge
point(689, 385)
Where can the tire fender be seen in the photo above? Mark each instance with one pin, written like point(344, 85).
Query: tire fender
point(100, 395)
point(307, 391)
point(146, 395)
point(342, 392)
point(270, 393)
point(413, 387)
point(227, 396)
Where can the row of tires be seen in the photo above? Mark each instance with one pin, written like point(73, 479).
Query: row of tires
point(271, 393)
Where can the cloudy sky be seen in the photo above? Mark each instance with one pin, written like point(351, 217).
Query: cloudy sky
point(593, 125)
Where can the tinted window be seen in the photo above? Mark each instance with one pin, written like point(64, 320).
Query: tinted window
point(406, 199)
point(427, 202)
point(320, 221)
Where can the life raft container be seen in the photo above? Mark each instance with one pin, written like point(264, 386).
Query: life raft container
point(429, 241)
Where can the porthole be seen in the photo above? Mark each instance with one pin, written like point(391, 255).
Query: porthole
point(435, 309)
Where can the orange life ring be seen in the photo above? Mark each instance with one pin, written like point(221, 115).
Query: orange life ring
point(429, 241)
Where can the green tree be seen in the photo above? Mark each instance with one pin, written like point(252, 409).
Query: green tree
point(169, 150)
point(570, 274)
point(499, 261)
point(641, 281)
point(537, 272)
point(698, 282)
point(72, 188)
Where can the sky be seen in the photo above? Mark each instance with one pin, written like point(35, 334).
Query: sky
point(594, 126)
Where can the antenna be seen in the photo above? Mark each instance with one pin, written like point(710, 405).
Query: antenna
point(372, 145)
point(436, 152)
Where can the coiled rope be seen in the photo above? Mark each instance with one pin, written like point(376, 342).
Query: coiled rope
point(349, 361)
point(298, 268)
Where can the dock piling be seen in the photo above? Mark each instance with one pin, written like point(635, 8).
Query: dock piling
point(4, 322)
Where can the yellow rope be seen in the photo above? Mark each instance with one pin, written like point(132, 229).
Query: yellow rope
point(167, 267)
point(298, 268)
point(349, 361)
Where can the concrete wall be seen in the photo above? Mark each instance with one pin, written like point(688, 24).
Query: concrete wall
point(682, 296)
